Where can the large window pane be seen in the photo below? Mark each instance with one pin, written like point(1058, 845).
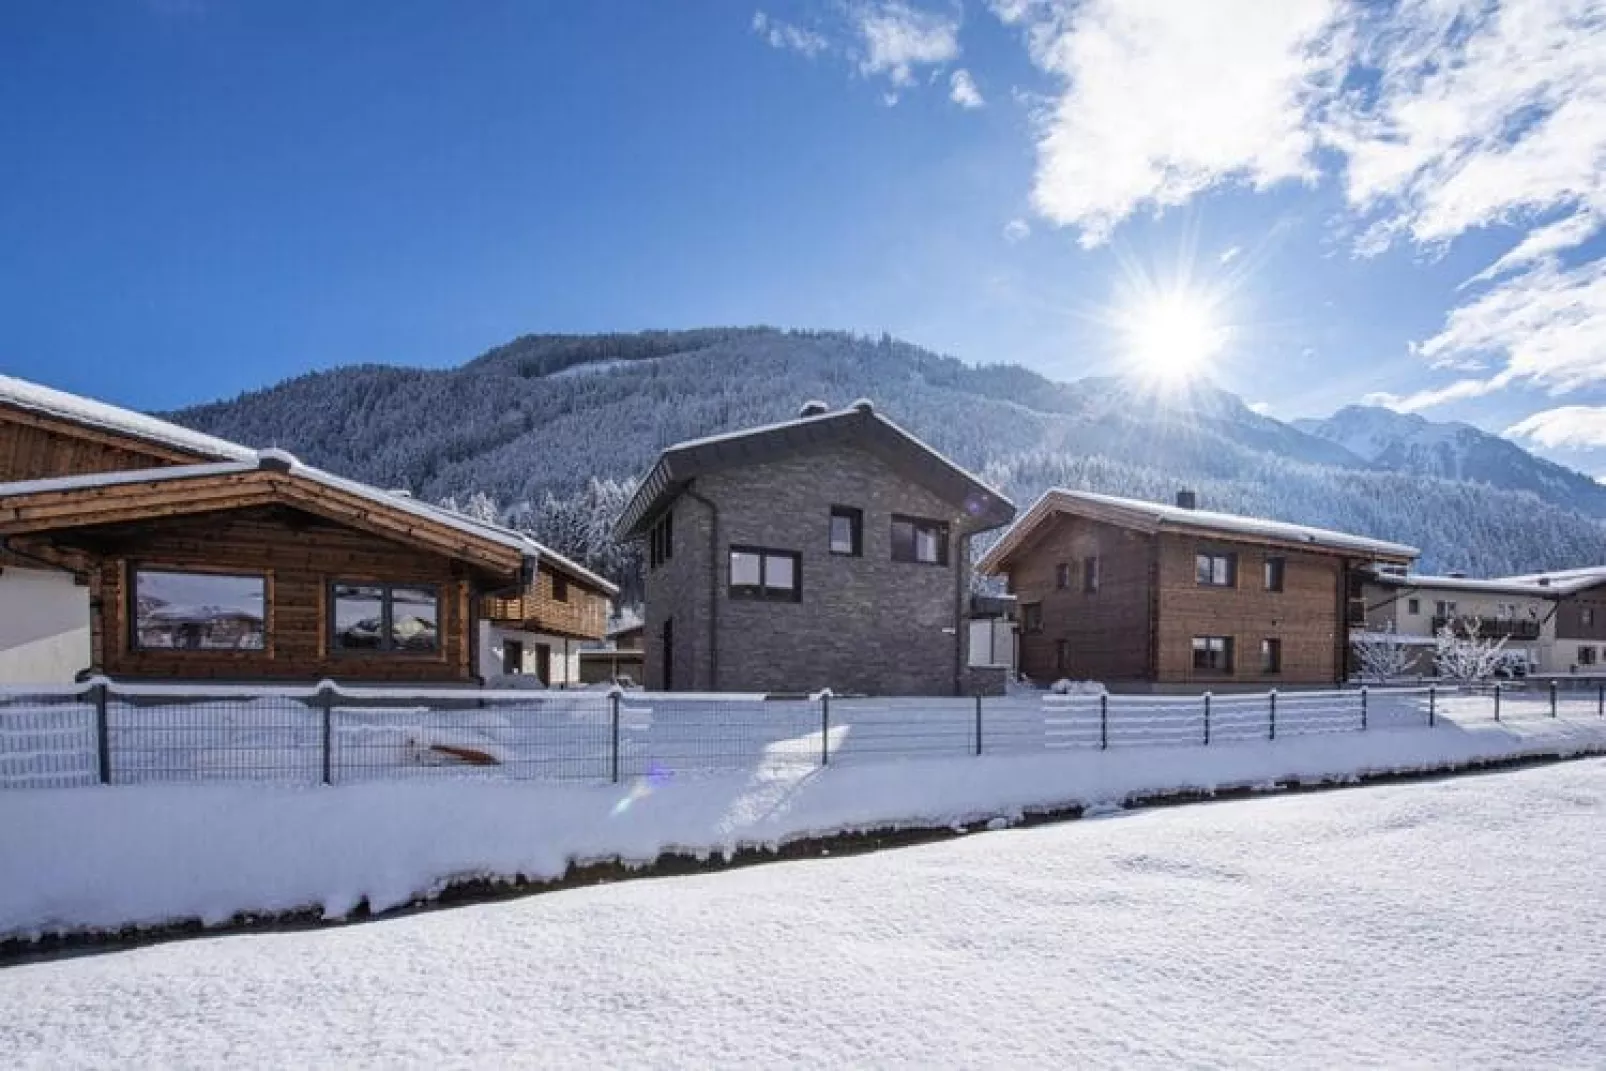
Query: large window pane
point(414, 612)
point(747, 569)
point(779, 575)
point(199, 611)
point(359, 617)
point(916, 540)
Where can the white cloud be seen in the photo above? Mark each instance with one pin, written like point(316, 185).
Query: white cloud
point(898, 38)
point(1229, 254)
point(1017, 230)
point(1426, 399)
point(1262, 408)
point(1163, 100)
point(789, 37)
point(962, 90)
point(1578, 426)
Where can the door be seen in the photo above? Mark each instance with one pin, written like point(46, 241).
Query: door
point(669, 654)
point(543, 663)
point(512, 656)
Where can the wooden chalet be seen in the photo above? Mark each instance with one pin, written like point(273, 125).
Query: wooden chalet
point(138, 549)
point(1143, 595)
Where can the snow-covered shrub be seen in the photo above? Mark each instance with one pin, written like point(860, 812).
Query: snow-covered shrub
point(1070, 687)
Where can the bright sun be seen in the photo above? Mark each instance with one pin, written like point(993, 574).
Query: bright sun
point(1173, 336)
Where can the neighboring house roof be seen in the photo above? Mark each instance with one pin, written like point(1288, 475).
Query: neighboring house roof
point(1475, 585)
point(110, 418)
point(235, 459)
point(1563, 581)
point(1156, 517)
point(859, 425)
point(112, 497)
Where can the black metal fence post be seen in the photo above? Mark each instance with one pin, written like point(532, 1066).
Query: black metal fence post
point(1365, 707)
point(1552, 698)
point(825, 729)
point(1207, 720)
point(1496, 700)
point(326, 707)
point(1271, 733)
point(103, 736)
point(978, 723)
point(613, 724)
point(1433, 703)
point(1104, 721)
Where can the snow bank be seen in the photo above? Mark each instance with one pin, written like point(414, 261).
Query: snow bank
point(104, 858)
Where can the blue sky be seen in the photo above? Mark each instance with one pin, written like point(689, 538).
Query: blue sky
point(199, 197)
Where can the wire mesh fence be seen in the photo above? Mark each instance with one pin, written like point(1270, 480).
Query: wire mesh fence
point(142, 734)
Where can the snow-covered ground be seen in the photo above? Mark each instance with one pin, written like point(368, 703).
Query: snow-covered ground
point(105, 857)
point(1441, 924)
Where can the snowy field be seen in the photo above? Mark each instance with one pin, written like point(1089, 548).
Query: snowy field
point(1444, 924)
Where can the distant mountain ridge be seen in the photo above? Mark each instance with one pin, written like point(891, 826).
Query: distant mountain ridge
point(1407, 442)
point(547, 430)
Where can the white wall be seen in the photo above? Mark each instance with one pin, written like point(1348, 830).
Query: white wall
point(490, 653)
point(992, 643)
point(44, 627)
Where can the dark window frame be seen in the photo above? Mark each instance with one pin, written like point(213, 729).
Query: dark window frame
point(132, 606)
point(1031, 618)
point(1586, 617)
point(1225, 650)
point(1588, 655)
point(1062, 576)
point(1062, 656)
point(762, 592)
point(855, 518)
point(915, 525)
point(1271, 655)
point(1274, 573)
point(661, 540)
point(1413, 607)
point(560, 587)
point(387, 620)
point(1205, 578)
point(1091, 575)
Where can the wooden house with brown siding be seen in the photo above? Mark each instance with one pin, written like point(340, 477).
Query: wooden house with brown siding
point(1143, 595)
point(138, 549)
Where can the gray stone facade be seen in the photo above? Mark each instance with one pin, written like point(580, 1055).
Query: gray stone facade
point(865, 624)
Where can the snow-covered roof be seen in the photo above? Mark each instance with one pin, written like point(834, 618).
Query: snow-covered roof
point(1492, 586)
point(1157, 515)
point(111, 418)
point(286, 462)
point(859, 424)
point(1563, 581)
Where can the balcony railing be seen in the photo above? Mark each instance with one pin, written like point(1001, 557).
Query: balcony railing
point(1490, 628)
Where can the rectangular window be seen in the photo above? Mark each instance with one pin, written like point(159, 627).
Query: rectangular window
point(199, 611)
point(1413, 606)
point(1216, 570)
point(847, 531)
point(560, 588)
point(661, 541)
point(1586, 617)
point(1031, 617)
point(1062, 656)
point(1275, 568)
point(1271, 655)
point(1212, 654)
point(1443, 608)
point(1090, 576)
point(1062, 576)
point(388, 618)
point(916, 540)
point(758, 573)
point(1586, 656)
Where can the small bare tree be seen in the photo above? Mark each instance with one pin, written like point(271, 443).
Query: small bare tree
point(1464, 654)
point(1381, 656)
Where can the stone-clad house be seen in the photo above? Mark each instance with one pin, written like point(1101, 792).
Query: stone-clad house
point(830, 551)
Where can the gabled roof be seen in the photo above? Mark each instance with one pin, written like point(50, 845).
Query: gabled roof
point(1156, 517)
point(859, 426)
point(86, 412)
point(68, 502)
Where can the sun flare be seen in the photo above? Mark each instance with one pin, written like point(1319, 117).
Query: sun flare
point(1172, 337)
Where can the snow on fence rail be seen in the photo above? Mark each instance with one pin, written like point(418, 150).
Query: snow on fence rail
point(131, 734)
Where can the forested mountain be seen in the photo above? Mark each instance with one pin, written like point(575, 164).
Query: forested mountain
point(1406, 442)
point(547, 431)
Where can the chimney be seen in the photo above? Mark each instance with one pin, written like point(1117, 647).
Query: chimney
point(1187, 499)
point(813, 408)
